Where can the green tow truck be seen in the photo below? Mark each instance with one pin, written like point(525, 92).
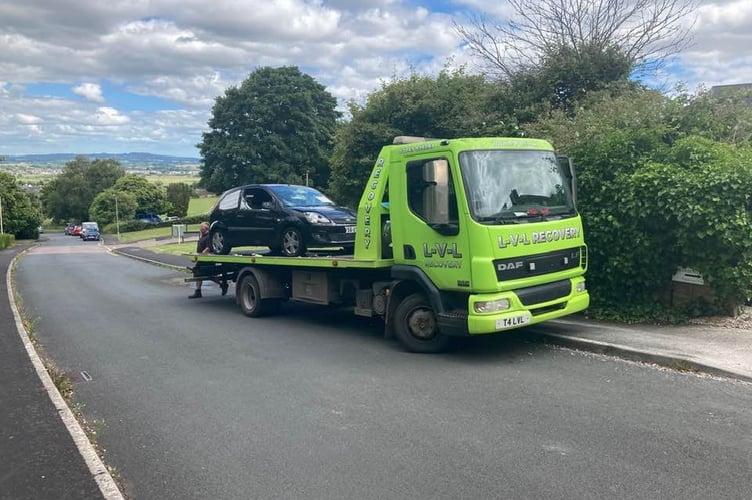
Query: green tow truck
point(454, 237)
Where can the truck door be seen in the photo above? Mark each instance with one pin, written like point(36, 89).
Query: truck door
point(433, 237)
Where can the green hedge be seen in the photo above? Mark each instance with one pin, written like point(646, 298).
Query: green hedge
point(653, 200)
point(137, 225)
point(6, 240)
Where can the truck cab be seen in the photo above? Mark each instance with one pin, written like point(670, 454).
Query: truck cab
point(485, 231)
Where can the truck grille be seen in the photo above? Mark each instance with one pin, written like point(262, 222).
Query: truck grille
point(535, 265)
point(544, 293)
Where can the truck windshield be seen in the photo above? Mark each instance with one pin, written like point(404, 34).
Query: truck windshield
point(515, 186)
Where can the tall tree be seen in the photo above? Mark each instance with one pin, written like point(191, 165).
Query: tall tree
point(20, 215)
point(149, 196)
point(112, 205)
point(69, 195)
point(644, 32)
point(453, 104)
point(277, 126)
point(179, 195)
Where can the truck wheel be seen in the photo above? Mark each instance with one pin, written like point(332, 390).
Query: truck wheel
point(219, 242)
point(249, 297)
point(292, 243)
point(415, 326)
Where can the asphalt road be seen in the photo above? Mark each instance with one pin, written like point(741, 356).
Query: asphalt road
point(194, 400)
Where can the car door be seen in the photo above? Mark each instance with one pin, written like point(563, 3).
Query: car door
point(262, 215)
point(226, 212)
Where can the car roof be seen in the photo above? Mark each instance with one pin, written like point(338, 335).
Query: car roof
point(244, 186)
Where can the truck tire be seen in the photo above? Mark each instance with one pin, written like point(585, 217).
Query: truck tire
point(248, 293)
point(416, 328)
point(218, 242)
point(291, 244)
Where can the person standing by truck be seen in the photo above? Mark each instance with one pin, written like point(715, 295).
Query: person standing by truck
point(203, 246)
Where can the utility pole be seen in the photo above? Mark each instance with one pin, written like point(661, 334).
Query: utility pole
point(117, 219)
point(1, 216)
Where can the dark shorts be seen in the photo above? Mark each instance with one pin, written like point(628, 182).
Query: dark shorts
point(203, 270)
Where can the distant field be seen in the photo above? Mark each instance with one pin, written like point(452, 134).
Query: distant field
point(198, 206)
point(27, 177)
point(172, 179)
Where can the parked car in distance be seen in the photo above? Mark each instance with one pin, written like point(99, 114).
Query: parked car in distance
point(69, 228)
point(90, 231)
point(148, 217)
point(289, 219)
point(76, 230)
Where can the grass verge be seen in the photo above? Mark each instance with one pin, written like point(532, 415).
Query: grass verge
point(152, 233)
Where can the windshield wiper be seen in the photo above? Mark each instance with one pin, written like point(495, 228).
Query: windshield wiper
point(506, 217)
point(521, 217)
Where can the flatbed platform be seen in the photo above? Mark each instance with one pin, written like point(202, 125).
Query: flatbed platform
point(310, 260)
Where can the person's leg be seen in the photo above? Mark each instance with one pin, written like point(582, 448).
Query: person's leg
point(197, 293)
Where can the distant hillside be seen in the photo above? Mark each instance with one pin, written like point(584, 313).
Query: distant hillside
point(126, 159)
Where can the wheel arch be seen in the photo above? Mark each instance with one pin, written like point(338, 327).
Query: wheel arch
point(411, 279)
point(271, 285)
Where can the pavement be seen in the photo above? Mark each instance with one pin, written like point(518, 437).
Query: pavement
point(712, 350)
point(43, 456)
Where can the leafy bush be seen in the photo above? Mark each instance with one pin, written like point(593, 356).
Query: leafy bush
point(697, 206)
point(6, 240)
point(652, 201)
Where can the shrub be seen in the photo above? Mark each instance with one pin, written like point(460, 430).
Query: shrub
point(6, 240)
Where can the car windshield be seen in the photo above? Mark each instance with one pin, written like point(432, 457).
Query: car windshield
point(301, 196)
point(511, 186)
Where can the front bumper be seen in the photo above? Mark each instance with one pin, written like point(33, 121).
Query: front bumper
point(519, 314)
point(333, 235)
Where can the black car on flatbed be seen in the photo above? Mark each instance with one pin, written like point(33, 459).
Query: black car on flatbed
point(287, 218)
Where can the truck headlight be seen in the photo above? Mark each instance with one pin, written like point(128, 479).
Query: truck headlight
point(580, 287)
point(317, 218)
point(491, 306)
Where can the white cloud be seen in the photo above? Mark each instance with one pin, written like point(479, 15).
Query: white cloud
point(185, 53)
point(28, 119)
point(90, 91)
point(109, 116)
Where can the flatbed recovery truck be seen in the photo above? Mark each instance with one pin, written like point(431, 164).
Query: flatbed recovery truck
point(457, 237)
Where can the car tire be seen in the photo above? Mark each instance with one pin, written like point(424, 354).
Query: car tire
point(291, 242)
point(416, 328)
point(218, 242)
point(248, 296)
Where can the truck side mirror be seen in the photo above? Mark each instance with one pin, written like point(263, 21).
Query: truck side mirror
point(436, 197)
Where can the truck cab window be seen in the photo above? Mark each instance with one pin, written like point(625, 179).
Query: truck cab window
point(420, 198)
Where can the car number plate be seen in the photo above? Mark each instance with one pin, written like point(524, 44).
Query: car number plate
point(513, 321)
point(349, 229)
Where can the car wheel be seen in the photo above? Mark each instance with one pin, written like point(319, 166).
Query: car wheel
point(218, 241)
point(292, 242)
point(416, 328)
point(248, 295)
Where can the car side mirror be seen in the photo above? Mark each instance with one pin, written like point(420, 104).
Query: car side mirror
point(267, 205)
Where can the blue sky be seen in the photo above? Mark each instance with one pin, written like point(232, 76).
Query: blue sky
point(81, 76)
